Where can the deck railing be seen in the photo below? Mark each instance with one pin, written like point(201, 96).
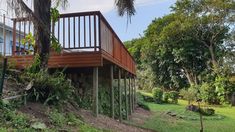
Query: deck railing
point(79, 32)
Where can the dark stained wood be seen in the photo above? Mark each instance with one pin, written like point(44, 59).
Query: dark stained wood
point(126, 98)
point(119, 95)
point(69, 31)
point(74, 32)
point(95, 32)
point(79, 41)
point(18, 50)
point(95, 92)
point(88, 59)
point(89, 31)
point(58, 37)
point(84, 22)
point(14, 38)
point(63, 32)
point(24, 33)
point(112, 92)
point(130, 102)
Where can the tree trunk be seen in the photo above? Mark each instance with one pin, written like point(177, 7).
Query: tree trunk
point(213, 58)
point(190, 77)
point(42, 34)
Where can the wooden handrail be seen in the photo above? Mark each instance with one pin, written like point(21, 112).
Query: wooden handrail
point(69, 29)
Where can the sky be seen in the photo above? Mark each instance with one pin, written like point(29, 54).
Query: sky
point(146, 11)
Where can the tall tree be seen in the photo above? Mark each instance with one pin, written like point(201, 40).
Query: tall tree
point(41, 17)
point(213, 19)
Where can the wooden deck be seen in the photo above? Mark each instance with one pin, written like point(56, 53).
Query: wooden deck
point(87, 40)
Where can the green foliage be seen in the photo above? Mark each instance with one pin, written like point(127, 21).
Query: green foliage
point(189, 94)
point(187, 121)
point(55, 45)
point(35, 66)
point(104, 96)
point(55, 14)
point(49, 88)
point(146, 78)
point(57, 118)
point(11, 118)
point(207, 111)
point(174, 95)
point(141, 101)
point(224, 88)
point(29, 41)
point(39, 126)
point(195, 29)
point(208, 93)
point(147, 98)
point(157, 95)
point(135, 47)
point(166, 96)
point(143, 105)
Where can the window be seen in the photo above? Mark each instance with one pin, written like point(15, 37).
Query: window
point(1, 40)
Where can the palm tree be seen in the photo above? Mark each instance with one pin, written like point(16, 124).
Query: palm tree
point(40, 16)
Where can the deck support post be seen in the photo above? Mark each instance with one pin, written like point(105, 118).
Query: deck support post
point(130, 105)
point(120, 95)
point(14, 38)
point(133, 97)
point(126, 98)
point(112, 92)
point(95, 91)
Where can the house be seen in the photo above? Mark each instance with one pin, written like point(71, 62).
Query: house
point(9, 39)
point(93, 55)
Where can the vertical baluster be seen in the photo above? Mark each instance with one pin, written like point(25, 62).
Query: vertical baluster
point(14, 37)
point(95, 32)
point(74, 33)
point(69, 31)
point(19, 48)
point(100, 31)
point(79, 43)
point(89, 30)
point(29, 30)
point(58, 30)
point(84, 30)
point(63, 32)
point(24, 34)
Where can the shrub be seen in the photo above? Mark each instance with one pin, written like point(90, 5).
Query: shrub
point(207, 111)
point(143, 105)
point(49, 89)
point(174, 95)
point(147, 98)
point(192, 107)
point(208, 93)
point(166, 96)
point(189, 94)
point(104, 95)
point(157, 95)
point(57, 118)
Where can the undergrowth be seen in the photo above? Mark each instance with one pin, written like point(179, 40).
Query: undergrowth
point(48, 88)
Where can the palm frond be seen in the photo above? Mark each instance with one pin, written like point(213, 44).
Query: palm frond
point(60, 3)
point(125, 7)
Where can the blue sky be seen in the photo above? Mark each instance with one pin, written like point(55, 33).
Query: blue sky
point(143, 17)
point(146, 11)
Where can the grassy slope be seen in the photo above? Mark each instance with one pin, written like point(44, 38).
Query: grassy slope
point(164, 123)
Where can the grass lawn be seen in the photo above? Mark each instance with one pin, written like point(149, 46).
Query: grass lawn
point(223, 121)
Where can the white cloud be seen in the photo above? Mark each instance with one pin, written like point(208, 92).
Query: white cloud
point(90, 5)
point(101, 5)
